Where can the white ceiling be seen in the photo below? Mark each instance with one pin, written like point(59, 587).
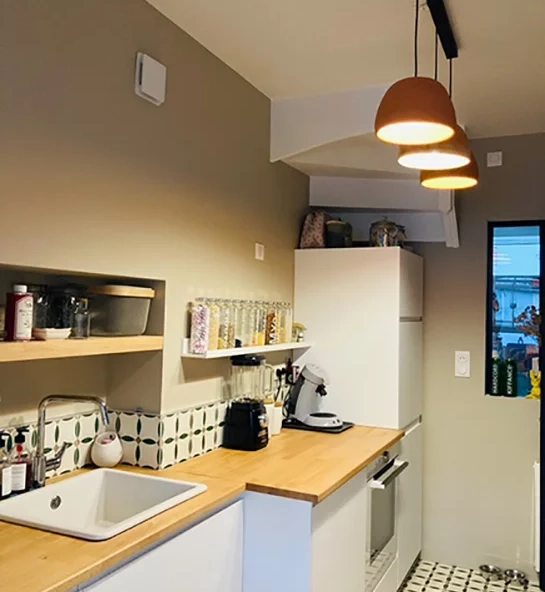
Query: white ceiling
point(289, 48)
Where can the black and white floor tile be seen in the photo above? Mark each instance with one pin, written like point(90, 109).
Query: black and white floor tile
point(437, 577)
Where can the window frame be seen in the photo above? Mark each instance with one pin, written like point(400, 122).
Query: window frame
point(491, 225)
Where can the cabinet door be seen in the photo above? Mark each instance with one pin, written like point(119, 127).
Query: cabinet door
point(410, 502)
point(339, 535)
point(205, 558)
point(411, 285)
point(410, 372)
point(349, 301)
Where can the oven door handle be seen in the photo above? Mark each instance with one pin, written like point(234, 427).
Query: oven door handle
point(384, 480)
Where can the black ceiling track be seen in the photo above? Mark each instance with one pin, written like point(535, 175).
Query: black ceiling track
point(441, 20)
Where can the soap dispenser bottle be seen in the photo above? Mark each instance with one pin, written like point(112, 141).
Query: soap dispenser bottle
point(5, 468)
point(21, 464)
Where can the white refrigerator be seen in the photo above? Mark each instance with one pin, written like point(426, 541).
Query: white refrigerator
point(363, 310)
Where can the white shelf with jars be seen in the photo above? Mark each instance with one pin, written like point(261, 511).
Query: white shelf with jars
point(241, 351)
point(222, 328)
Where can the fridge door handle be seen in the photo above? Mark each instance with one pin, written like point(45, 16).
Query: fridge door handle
point(386, 479)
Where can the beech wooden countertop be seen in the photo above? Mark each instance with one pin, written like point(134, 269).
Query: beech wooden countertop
point(37, 561)
point(298, 464)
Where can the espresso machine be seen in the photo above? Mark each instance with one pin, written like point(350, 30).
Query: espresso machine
point(304, 404)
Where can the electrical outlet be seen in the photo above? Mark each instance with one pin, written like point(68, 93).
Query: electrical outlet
point(494, 159)
point(260, 252)
point(462, 364)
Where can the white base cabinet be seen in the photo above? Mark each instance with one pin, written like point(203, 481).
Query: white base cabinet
point(205, 558)
point(409, 502)
point(267, 543)
point(339, 537)
point(291, 546)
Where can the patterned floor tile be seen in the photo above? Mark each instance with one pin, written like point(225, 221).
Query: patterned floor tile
point(427, 576)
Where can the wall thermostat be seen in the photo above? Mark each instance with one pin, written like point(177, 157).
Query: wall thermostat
point(150, 79)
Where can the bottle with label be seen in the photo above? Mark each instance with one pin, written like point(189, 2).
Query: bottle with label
point(19, 307)
point(21, 464)
point(5, 468)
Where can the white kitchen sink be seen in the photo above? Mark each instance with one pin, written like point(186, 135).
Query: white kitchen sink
point(97, 505)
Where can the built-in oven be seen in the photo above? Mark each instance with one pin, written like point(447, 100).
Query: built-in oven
point(383, 512)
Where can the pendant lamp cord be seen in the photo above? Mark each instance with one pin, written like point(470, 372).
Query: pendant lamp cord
point(416, 19)
point(450, 78)
point(436, 56)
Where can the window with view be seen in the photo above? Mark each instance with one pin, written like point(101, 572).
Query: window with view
point(514, 328)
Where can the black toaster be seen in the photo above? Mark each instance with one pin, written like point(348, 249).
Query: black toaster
point(246, 426)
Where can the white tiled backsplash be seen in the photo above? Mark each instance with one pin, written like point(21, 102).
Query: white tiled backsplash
point(152, 441)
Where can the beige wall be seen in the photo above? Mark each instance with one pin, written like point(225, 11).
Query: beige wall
point(479, 450)
point(98, 180)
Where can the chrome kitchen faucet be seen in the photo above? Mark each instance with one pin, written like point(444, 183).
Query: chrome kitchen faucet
point(41, 464)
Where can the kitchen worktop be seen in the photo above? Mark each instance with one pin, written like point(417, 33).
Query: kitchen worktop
point(301, 465)
point(37, 561)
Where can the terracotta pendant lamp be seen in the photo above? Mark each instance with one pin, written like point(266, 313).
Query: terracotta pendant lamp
point(454, 179)
point(451, 154)
point(415, 111)
point(462, 177)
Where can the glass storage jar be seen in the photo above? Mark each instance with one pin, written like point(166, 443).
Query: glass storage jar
point(214, 331)
point(40, 310)
point(81, 325)
point(384, 233)
point(245, 330)
point(271, 324)
point(282, 311)
point(200, 327)
point(260, 322)
point(237, 322)
point(227, 326)
point(288, 322)
point(250, 321)
point(225, 319)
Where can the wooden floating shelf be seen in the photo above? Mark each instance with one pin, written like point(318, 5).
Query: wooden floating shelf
point(76, 348)
point(240, 351)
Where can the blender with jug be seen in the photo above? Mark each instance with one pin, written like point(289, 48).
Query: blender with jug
point(246, 425)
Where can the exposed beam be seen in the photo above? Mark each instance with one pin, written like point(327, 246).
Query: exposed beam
point(441, 20)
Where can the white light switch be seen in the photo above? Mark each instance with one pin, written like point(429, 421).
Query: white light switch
point(462, 364)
